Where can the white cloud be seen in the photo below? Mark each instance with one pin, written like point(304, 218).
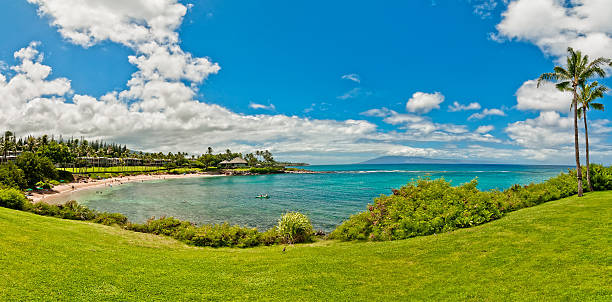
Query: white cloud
point(261, 106)
point(553, 25)
point(398, 119)
point(422, 102)
point(484, 129)
point(420, 128)
point(484, 8)
point(353, 93)
point(382, 112)
point(456, 106)
point(548, 130)
point(131, 23)
point(487, 112)
point(165, 118)
point(352, 77)
point(544, 98)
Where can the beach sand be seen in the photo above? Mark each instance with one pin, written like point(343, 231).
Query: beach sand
point(55, 196)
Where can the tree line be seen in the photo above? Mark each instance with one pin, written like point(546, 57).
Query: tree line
point(62, 151)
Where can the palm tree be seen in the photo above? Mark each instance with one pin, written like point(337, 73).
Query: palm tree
point(587, 97)
point(578, 71)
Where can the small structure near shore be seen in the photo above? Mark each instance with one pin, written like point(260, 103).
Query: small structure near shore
point(234, 163)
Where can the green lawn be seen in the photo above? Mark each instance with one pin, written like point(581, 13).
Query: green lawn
point(557, 251)
point(111, 169)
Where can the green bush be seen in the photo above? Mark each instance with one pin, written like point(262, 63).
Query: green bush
point(65, 176)
point(169, 226)
point(427, 207)
point(295, 227)
point(36, 168)
point(266, 170)
point(110, 219)
point(214, 235)
point(218, 235)
point(74, 211)
point(601, 177)
point(13, 199)
point(12, 177)
point(43, 185)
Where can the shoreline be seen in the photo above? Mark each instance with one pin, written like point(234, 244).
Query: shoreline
point(50, 197)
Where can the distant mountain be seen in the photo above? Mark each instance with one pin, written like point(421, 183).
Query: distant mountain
point(390, 160)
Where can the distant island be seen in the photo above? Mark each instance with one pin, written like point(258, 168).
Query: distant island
point(394, 160)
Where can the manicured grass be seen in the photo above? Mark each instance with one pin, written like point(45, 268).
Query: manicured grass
point(558, 251)
point(111, 169)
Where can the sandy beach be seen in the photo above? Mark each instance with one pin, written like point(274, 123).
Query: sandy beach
point(55, 195)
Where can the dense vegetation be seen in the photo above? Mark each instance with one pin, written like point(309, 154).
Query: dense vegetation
point(31, 170)
point(558, 251)
point(291, 228)
point(426, 207)
point(71, 153)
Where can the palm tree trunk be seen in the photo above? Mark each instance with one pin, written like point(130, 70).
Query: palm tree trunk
point(586, 140)
point(576, 147)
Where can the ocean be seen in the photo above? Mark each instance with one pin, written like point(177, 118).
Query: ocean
point(327, 198)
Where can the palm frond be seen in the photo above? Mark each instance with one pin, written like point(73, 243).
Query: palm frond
point(597, 106)
point(548, 77)
point(564, 86)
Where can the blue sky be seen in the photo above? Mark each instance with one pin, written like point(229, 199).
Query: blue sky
point(288, 74)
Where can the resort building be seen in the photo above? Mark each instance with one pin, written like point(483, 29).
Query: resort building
point(10, 156)
point(234, 163)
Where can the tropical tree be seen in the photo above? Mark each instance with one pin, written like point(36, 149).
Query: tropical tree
point(589, 93)
point(575, 74)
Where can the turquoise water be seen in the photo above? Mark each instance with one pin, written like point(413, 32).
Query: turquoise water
point(327, 198)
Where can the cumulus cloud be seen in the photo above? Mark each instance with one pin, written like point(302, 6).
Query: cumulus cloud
point(261, 106)
point(382, 112)
point(484, 129)
point(553, 25)
point(548, 130)
point(422, 102)
point(34, 103)
point(456, 106)
point(420, 128)
point(544, 98)
point(487, 112)
point(352, 77)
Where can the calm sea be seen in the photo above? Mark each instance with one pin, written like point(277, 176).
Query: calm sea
point(328, 199)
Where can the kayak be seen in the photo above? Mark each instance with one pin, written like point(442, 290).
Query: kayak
point(263, 196)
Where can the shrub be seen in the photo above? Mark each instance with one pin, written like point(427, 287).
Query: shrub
point(65, 176)
point(181, 230)
point(111, 219)
point(601, 177)
point(43, 185)
point(11, 176)
point(270, 237)
point(427, 207)
point(218, 235)
point(44, 209)
point(295, 227)
point(36, 168)
point(266, 170)
point(13, 199)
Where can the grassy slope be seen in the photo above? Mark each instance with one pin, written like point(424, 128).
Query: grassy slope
point(557, 251)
